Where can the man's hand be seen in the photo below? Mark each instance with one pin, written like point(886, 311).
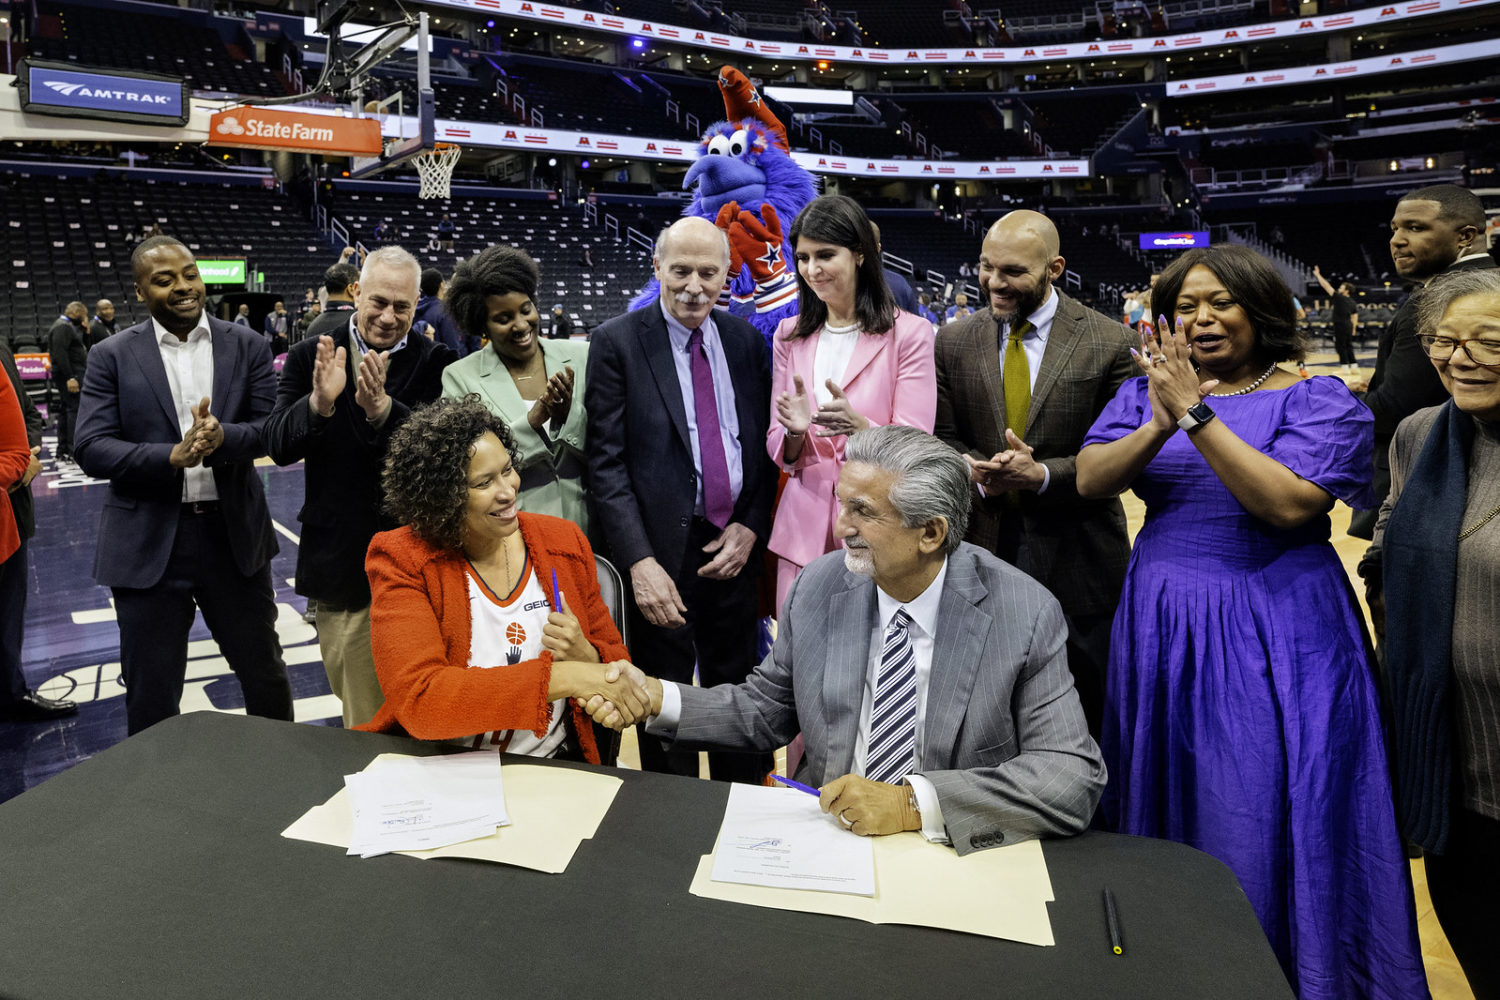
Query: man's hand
point(185, 453)
point(33, 467)
point(72, 385)
point(617, 690)
point(210, 431)
point(870, 808)
point(564, 636)
point(656, 595)
point(329, 377)
point(1012, 469)
point(732, 550)
point(369, 385)
point(1358, 385)
point(606, 713)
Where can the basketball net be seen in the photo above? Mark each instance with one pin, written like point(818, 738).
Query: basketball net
point(435, 168)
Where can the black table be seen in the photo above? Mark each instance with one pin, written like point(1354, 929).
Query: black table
point(157, 869)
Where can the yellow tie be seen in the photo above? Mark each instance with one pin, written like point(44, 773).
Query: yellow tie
point(1017, 379)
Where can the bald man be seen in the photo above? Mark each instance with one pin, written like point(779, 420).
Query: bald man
point(685, 512)
point(104, 323)
point(1019, 384)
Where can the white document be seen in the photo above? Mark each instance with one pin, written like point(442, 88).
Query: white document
point(780, 838)
point(420, 803)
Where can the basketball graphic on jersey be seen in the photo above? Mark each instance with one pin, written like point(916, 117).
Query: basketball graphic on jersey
point(515, 633)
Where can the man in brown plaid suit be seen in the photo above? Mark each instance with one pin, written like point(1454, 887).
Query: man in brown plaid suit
point(1019, 385)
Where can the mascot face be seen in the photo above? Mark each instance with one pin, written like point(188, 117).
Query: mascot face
point(730, 167)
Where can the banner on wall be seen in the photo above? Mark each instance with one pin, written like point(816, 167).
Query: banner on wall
point(66, 90)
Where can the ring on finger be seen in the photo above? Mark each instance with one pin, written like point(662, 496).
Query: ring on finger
point(845, 819)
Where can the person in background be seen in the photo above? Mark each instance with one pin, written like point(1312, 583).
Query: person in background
point(341, 283)
point(67, 349)
point(445, 232)
point(535, 385)
point(485, 619)
point(242, 316)
point(433, 319)
point(1345, 320)
point(849, 359)
point(20, 458)
point(562, 327)
point(898, 286)
point(1438, 537)
point(1242, 716)
point(103, 324)
point(960, 308)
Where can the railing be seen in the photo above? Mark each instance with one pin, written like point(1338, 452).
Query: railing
point(900, 264)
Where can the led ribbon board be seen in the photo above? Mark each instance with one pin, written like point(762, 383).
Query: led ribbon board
point(117, 95)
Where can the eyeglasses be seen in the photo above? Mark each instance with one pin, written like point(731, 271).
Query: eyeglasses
point(1485, 353)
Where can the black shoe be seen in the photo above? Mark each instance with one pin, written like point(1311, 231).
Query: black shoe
point(34, 708)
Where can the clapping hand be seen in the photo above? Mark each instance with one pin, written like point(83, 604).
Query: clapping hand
point(1172, 384)
point(836, 416)
point(1012, 469)
point(794, 409)
point(329, 376)
point(555, 401)
point(195, 444)
point(369, 385)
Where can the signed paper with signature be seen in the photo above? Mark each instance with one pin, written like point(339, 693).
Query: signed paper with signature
point(778, 837)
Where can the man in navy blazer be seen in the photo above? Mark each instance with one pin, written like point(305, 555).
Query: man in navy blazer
point(171, 414)
point(693, 561)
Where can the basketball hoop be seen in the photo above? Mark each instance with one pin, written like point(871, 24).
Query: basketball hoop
point(435, 168)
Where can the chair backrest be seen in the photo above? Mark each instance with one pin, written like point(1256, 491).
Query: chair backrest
point(612, 590)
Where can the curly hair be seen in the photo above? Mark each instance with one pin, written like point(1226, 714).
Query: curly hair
point(426, 474)
point(1257, 288)
point(497, 270)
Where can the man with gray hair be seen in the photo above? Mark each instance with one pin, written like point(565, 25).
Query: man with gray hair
point(340, 398)
point(678, 396)
point(928, 678)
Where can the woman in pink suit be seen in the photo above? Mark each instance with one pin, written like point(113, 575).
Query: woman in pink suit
point(849, 360)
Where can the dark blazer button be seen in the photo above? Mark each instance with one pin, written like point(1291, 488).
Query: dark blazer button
point(683, 523)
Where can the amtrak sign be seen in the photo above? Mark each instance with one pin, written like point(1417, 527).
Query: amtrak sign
point(71, 91)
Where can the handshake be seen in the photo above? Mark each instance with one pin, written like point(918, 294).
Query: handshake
point(618, 694)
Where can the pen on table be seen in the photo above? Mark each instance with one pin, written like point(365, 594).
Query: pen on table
point(1112, 919)
point(556, 596)
point(795, 784)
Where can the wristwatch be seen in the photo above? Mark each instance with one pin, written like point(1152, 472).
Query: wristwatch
point(1196, 416)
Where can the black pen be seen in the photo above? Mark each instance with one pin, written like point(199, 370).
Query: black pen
point(1112, 919)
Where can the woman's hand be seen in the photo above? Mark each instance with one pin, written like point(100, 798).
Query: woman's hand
point(836, 416)
point(554, 402)
point(1171, 380)
point(564, 637)
point(617, 691)
point(794, 409)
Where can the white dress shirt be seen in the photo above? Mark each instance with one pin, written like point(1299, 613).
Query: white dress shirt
point(189, 366)
point(923, 610)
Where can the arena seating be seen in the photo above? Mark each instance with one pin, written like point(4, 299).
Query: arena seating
point(95, 36)
point(1074, 124)
point(71, 238)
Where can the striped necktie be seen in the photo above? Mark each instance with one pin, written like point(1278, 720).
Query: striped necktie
point(893, 713)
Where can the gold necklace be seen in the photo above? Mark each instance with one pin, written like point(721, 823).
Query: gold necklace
point(1482, 522)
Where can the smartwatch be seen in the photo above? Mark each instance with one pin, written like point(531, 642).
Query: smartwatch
point(1196, 416)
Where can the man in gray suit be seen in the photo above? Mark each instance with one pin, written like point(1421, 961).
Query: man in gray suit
point(927, 677)
point(1018, 386)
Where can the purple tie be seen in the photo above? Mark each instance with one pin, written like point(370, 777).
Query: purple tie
point(718, 503)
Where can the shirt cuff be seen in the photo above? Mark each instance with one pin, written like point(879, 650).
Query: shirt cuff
point(933, 828)
point(664, 723)
point(1046, 478)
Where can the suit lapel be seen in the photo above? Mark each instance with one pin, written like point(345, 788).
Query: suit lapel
point(656, 348)
point(961, 626)
point(866, 349)
point(851, 615)
point(1061, 341)
point(226, 354)
point(148, 355)
point(984, 359)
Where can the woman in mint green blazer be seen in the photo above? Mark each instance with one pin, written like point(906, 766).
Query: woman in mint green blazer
point(534, 385)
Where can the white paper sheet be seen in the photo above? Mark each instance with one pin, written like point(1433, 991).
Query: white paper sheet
point(552, 811)
point(1000, 893)
point(420, 803)
point(780, 838)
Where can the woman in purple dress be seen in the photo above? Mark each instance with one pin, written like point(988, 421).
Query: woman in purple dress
point(1241, 715)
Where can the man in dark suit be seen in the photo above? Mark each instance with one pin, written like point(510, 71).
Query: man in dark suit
point(1433, 229)
point(67, 347)
point(17, 701)
point(341, 397)
point(341, 281)
point(171, 415)
point(1019, 385)
point(927, 677)
point(686, 512)
point(103, 324)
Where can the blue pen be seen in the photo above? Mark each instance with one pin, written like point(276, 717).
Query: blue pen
point(556, 595)
point(796, 784)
